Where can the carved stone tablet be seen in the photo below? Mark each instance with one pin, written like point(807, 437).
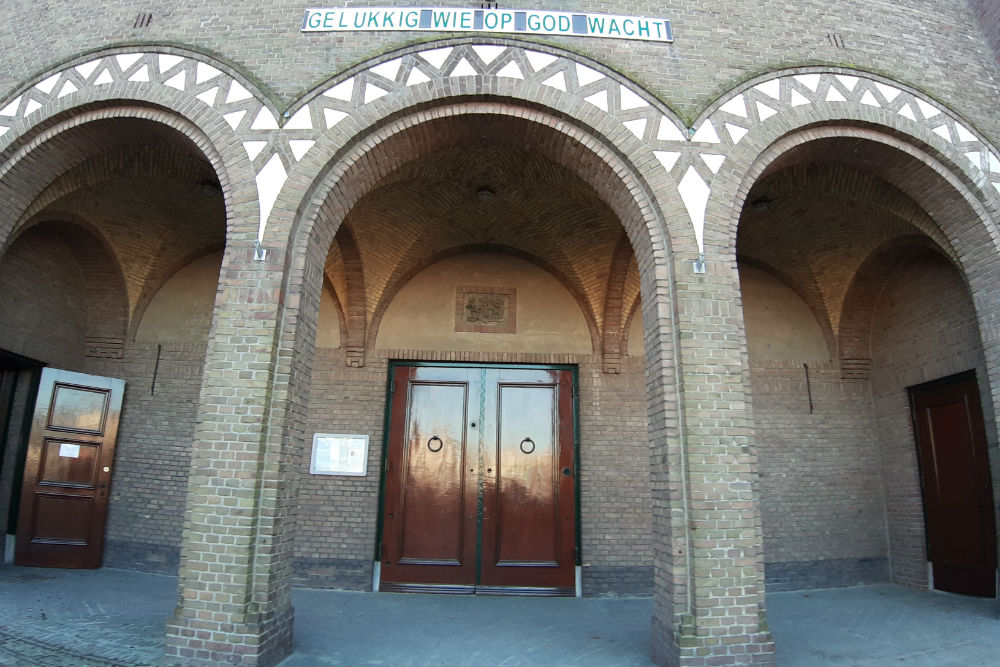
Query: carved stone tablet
point(486, 309)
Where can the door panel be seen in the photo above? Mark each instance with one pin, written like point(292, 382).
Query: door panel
point(527, 469)
point(958, 495)
point(497, 506)
point(428, 533)
point(67, 470)
point(431, 510)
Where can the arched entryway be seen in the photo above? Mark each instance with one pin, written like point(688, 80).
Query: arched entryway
point(116, 203)
point(865, 239)
point(482, 207)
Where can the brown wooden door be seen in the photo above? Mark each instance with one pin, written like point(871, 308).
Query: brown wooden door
point(955, 475)
point(480, 481)
point(64, 495)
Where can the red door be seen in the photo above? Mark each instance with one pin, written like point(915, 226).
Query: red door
point(480, 481)
point(64, 495)
point(955, 475)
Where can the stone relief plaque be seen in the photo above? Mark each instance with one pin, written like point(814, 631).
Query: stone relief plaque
point(486, 309)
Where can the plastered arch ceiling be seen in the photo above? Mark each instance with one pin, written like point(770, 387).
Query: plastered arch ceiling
point(690, 158)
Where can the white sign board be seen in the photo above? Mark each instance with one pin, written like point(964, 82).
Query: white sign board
point(69, 451)
point(338, 454)
point(510, 21)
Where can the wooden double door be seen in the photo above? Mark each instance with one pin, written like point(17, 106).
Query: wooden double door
point(955, 476)
point(480, 481)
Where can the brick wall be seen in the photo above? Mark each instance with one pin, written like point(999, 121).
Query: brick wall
point(337, 516)
point(153, 453)
point(821, 479)
point(43, 301)
point(924, 328)
point(718, 44)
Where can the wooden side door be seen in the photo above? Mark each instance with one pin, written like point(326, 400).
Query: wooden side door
point(529, 509)
point(64, 493)
point(958, 494)
point(429, 519)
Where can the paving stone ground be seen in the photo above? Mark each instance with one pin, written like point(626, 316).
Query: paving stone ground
point(115, 618)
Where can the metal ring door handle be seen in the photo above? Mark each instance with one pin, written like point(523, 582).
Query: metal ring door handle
point(530, 442)
point(430, 444)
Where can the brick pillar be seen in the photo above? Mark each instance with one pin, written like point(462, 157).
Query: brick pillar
point(236, 556)
point(707, 530)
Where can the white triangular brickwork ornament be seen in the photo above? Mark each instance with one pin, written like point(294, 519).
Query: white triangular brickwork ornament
point(237, 93)
point(599, 99)
point(126, 60)
point(141, 75)
point(810, 81)
point(586, 75)
point(464, 68)
point(539, 61)
point(888, 92)
point(372, 93)
point(557, 81)
point(488, 52)
point(208, 97)
point(204, 72)
point(388, 70)
point(668, 131)
point(436, 57)
point(667, 158)
point(332, 117)
point(849, 82)
point(694, 193)
point(86, 69)
point(736, 132)
point(342, 91)
point(300, 147)
point(764, 111)
point(11, 109)
point(68, 88)
point(770, 88)
point(869, 99)
point(105, 78)
point(511, 71)
point(48, 84)
point(736, 106)
point(798, 99)
point(265, 120)
point(706, 133)
point(253, 148)
point(176, 81)
point(301, 120)
point(834, 95)
point(234, 118)
point(636, 127)
point(168, 61)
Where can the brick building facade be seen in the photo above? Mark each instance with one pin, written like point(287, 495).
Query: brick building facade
point(757, 250)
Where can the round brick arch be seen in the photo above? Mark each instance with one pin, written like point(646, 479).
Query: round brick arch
point(204, 100)
point(754, 125)
point(952, 173)
point(339, 143)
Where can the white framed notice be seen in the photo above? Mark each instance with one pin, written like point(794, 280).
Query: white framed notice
point(339, 454)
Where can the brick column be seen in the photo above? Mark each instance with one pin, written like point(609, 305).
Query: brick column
point(707, 530)
point(236, 556)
